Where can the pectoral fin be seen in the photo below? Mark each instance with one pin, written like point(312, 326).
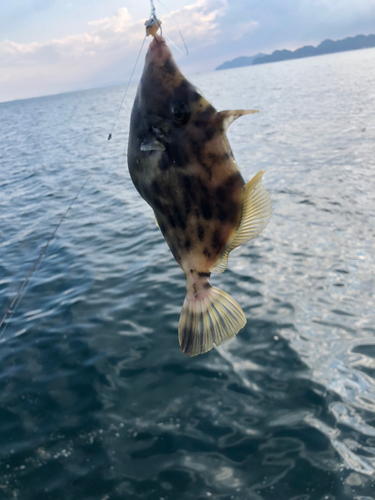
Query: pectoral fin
point(229, 116)
point(256, 213)
point(152, 144)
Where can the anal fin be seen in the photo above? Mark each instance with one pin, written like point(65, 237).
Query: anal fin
point(256, 213)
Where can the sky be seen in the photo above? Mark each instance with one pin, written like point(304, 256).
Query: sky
point(53, 46)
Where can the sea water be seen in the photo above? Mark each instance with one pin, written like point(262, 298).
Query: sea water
point(96, 400)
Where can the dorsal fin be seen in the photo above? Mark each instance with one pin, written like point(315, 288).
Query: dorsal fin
point(228, 116)
point(256, 213)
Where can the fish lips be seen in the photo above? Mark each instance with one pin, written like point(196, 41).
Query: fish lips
point(158, 50)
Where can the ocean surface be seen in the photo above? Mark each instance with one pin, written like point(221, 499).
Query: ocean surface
point(96, 400)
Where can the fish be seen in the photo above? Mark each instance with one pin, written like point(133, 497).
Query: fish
point(181, 163)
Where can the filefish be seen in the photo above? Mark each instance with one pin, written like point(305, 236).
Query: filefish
point(181, 163)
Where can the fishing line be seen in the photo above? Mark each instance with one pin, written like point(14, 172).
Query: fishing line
point(153, 18)
point(21, 292)
point(153, 12)
point(17, 299)
point(126, 90)
point(178, 29)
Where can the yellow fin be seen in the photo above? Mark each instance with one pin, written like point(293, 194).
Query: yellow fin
point(156, 221)
point(214, 318)
point(256, 213)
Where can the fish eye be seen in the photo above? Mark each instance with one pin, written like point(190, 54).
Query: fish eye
point(180, 113)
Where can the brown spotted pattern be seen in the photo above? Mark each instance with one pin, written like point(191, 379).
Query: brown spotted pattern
point(193, 185)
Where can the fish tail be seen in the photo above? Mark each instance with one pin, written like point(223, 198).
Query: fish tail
point(210, 318)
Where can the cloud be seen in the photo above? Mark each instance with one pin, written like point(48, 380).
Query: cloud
point(200, 21)
point(243, 28)
point(106, 33)
point(102, 55)
point(214, 30)
point(116, 24)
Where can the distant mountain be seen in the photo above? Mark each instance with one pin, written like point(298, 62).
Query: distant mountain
point(326, 47)
point(239, 62)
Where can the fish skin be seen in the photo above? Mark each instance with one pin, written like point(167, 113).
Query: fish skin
point(194, 185)
point(181, 163)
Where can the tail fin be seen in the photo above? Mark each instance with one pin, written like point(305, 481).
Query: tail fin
point(214, 318)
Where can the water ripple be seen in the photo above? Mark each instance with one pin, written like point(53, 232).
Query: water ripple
point(96, 399)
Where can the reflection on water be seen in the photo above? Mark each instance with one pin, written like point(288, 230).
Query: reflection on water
point(96, 399)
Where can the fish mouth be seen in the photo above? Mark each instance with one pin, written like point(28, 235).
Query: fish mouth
point(158, 50)
point(157, 40)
